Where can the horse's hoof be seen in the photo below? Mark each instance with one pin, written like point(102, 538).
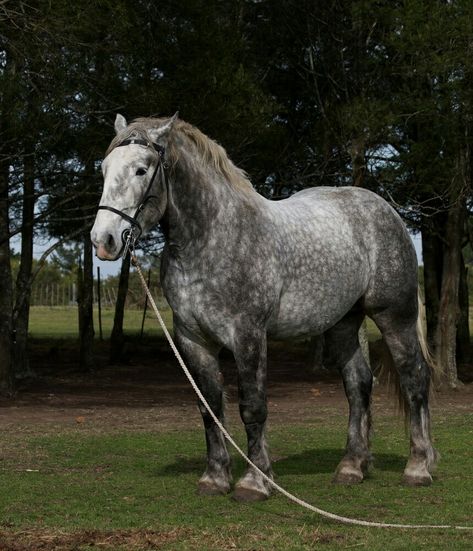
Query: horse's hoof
point(423, 479)
point(348, 473)
point(348, 476)
point(243, 493)
point(416, 473)
point(209, 487)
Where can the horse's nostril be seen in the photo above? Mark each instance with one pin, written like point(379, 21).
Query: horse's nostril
point(110, 242)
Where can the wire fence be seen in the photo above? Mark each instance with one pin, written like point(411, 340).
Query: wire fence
point(59, 294)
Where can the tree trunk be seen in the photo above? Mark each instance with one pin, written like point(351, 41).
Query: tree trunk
point(463, 330)
point(432, 256)
point(85, 303)
point(446, 332)
point(6, 287)
point(117, 338)
point(6, 283)
point(358, 161)
point(23, 284)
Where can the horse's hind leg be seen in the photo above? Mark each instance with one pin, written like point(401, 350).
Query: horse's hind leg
point(203, 363)
point(343, 351)
point(400, 334)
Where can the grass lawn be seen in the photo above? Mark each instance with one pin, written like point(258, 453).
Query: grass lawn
point(62, 321)
point(75, 480)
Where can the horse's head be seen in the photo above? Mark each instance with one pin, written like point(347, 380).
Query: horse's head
point(134, 194)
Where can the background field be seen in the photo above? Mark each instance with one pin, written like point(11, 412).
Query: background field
point(62, 322)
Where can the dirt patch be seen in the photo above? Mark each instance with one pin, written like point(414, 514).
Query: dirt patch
point(150, 392)
point(142, 540)
point(36, 540)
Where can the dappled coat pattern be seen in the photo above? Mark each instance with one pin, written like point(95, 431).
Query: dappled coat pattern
point(238, 268)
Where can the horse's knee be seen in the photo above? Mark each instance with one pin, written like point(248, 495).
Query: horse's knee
point(254, 412)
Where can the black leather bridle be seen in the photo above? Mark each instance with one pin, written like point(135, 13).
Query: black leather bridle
point(131, 234)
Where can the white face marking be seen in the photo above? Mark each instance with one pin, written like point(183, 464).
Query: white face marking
point(127, 171)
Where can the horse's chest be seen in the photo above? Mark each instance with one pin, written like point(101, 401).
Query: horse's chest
point(213, 303)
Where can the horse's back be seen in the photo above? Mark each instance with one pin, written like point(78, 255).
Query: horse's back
point(374, 225)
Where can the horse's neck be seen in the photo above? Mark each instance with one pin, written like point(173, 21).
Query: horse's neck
point(202, 208)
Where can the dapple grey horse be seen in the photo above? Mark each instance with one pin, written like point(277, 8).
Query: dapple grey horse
point(238, 269)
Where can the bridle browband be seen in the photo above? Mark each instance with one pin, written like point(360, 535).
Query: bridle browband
point(132, 234)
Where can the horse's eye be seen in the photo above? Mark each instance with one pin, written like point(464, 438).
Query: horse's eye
point(141, 172)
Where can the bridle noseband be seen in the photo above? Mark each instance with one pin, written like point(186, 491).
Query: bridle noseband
point(132, 234)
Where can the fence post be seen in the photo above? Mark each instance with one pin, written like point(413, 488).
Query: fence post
point(146, 306)
point(99, 302)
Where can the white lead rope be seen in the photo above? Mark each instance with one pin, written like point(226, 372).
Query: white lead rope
point(295, 499)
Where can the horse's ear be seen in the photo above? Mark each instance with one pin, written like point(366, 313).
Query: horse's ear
point(163, 130)
point(120, 123)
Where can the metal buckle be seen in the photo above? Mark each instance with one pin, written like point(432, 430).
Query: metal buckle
point(129, 239)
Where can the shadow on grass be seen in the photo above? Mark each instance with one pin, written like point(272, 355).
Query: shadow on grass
point(314, 461)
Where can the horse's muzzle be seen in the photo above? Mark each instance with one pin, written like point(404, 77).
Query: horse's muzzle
point(102, 253)
point(106, 247)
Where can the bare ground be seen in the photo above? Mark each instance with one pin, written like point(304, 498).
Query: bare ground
point(48, 540)
point(149, 392)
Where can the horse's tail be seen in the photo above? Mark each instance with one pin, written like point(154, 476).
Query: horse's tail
point(388, 370)
point(432, 363)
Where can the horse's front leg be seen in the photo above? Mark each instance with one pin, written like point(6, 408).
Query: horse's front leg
point(202, 361)
point(250, 356)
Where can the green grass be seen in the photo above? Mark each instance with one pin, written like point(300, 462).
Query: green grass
point(74, 480)
point(62, 322)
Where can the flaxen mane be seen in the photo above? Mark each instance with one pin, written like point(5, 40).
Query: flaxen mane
point(210, 151)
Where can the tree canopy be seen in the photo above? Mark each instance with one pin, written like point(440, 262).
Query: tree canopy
point(301, 93)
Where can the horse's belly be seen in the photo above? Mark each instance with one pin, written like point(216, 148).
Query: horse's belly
point(303, 314)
